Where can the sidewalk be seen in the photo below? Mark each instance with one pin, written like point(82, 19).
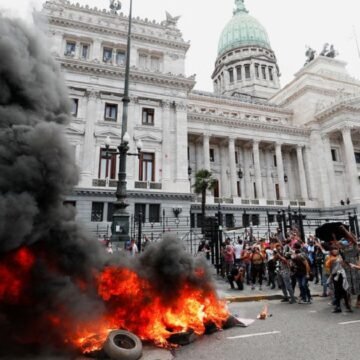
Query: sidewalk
point(225, 292)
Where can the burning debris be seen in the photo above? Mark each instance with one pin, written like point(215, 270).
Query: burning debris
point(60, 294)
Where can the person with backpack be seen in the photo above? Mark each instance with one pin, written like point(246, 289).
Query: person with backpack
point(302, 273)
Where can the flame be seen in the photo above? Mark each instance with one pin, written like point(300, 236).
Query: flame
point(130, 302)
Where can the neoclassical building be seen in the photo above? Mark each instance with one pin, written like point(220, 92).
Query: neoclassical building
point(268, 146)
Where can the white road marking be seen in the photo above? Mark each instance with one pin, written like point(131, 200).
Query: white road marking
point(312, 311)
point(349, 322)
point(251, 335)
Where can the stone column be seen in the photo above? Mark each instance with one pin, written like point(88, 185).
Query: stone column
point(302, 177)
point(206, 152)
point(198, 158)
point(270, 184)
point(351, 166)
point(87, 168)
point(330, 169)
point(224, 172)
point(309, 171)
point(257, 169)
point(232, 163)
point(167, 159)
point(280, 171)
point(182, 182)
point(247, 179)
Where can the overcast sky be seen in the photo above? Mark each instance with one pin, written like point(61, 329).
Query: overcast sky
point(290, 24)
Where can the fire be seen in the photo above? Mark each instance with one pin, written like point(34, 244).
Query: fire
point(14, 275)
point(130, 302)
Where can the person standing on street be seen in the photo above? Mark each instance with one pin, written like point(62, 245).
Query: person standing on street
point(257, 267)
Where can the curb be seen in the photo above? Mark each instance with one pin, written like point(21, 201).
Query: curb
point(257, 297)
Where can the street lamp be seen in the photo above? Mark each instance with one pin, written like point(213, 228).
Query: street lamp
point(121, 218)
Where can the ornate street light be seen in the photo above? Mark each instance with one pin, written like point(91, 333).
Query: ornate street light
point(121, 218)
point(285, 178)
point(240, 173)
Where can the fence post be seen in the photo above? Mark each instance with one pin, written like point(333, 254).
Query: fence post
point(163, 220)
point(139, 231)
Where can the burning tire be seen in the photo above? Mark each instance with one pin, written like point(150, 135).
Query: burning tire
point(123, 345)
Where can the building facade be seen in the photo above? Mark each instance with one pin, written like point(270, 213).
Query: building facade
point(268, 147)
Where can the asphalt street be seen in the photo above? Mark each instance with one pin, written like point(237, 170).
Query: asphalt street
point(296, 332)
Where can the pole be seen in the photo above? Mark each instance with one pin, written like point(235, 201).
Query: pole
point(121, 218)
point(163, 220)
point(139, 231)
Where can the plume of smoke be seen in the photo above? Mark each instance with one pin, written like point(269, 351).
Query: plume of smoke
point(37, 170)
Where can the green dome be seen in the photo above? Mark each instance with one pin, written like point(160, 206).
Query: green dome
point(242, 30)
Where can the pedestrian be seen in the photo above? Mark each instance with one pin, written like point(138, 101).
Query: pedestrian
point(236, 275)
point(245, 260)
point(338, 280)
point(133, 249)
point(257, 267)
point(229, 258)
point(284, 274)
point(302, 274)
point(237, 251)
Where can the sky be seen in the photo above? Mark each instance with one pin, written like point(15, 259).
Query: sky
point(291, 25)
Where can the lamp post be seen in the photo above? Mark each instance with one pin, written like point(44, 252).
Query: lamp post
point(121, 218)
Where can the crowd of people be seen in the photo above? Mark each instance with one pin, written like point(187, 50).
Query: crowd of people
point(287, 262)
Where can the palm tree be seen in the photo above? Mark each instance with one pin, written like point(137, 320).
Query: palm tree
point(203, 182)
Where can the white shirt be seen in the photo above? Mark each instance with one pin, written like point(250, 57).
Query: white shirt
point(134, 250)
point(238, 249)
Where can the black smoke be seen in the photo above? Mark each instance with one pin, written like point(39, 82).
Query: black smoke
point(37, 171)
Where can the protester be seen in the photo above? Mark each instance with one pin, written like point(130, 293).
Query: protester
point(237, 251)
point(338, 279)
point(228, 256)
point(271, 267)
point(284, 274)
point(246, 261)
point(236, 275)
point(302, 273)
point(257, 267)
point(133, 249)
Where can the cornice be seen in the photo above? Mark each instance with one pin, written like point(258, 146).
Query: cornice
point(132, 194)
point(116, 32)
point(240, 123)
point(232, 101)
point(302, 90)
point(270, 209)
point(336, 110)
point(154, 78)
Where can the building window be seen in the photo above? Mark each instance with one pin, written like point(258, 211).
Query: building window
point(154, 213)
point(231, 75)
point(277, 191)
point(84, 51)
point(236, 157)
point(70, 48)
point(275, 160)
point(271, 75)
point(257, 74)
point(238, 189)
point(334, 155)
point(199, 220)
point(69, 203)
point(110, 212)
point(148, 116)
point(107, 55)
point(238, 73)
point(255, 192)
point(111, 112)
point(357, 157)
point(147, 167)
point(271, 218)
point(247, 71)
point(120, 57)
point(97, 211)
point(140, 208)
point(263, 71)
point(107, 166)
point(255, 219)
point(246, 220)
point(74, 107)
point(155, 63)
point(212, 155)
point(143, 61)
point(229, 220)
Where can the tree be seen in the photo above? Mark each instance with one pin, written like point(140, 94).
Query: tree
point(203, 182)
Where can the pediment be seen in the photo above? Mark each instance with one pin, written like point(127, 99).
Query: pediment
point(71, 130)
point(149, 138)
point(105, 133)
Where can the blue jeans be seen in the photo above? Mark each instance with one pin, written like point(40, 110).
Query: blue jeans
point(302, 281)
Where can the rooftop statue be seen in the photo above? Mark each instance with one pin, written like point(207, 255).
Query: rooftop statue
point(310, 54)
point(171, 20)
point(115, 6)
point(331, 53)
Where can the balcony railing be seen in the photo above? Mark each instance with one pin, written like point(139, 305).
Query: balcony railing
point(148, 185)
